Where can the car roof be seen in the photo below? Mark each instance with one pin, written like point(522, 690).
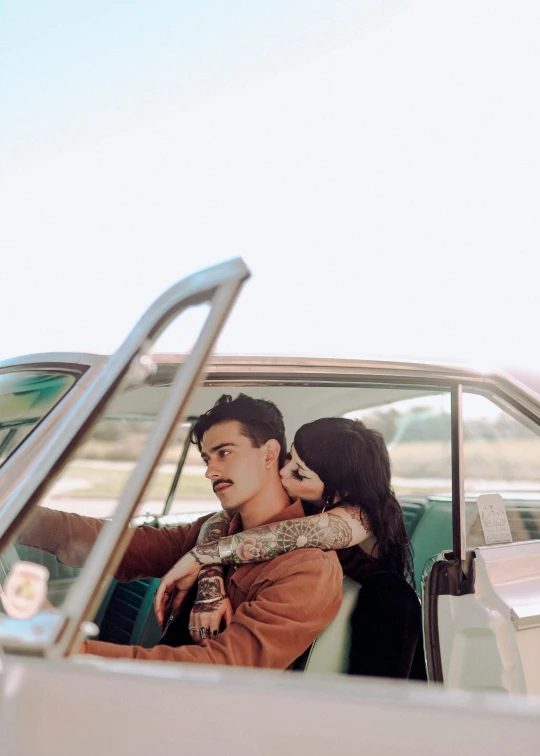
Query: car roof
point(330, 386)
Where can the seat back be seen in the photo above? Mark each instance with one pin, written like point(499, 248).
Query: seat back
point(376, 632)
point(330, 651)
point(128, 617)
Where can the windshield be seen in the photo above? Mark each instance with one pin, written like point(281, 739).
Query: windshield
point(26, 396)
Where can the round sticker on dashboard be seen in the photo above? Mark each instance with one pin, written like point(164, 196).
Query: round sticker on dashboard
point(25, 589)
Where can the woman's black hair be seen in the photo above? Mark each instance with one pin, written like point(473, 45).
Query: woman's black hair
point(353, 463)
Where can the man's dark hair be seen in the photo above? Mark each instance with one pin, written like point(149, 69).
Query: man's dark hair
point(260, 420)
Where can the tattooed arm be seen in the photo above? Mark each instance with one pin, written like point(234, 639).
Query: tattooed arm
point(212, 608)
point(213, 529)
point(340, 528)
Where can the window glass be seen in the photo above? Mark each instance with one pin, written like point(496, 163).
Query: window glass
point(96, 476)
point(90, 485)
point(501, 455)
point(417, 433)
point(194, 494)
point(26, 396)
point(416, 429)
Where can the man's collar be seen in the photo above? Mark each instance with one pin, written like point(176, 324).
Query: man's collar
point(292, 512)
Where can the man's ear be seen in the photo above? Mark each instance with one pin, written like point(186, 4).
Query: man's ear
point(273, 450)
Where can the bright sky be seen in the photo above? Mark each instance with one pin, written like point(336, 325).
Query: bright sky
point(376, 163)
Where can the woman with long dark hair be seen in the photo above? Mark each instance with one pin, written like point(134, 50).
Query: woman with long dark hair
point(340, 469)
point(353, 464)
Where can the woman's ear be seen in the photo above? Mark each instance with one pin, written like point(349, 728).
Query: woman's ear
point(273, 450)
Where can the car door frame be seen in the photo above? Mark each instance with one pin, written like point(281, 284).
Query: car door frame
point(54, 633)
point(453, 574)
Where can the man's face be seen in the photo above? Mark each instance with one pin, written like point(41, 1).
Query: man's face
point(236, 469)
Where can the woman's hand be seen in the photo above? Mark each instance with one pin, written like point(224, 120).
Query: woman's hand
point(175, 584)
point(212, 608)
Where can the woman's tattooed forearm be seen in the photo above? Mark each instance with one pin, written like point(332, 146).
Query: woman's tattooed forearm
point(207, 543)
point(209, 550)
point(357, 514)
point(216, 527)
point(326, 531)
point(217, 530)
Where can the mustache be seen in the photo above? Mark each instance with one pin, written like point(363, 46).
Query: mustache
point(216, 483)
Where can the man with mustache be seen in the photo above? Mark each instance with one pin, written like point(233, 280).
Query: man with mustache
point(279, 606)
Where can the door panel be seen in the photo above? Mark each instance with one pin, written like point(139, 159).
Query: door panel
point(128, 707)
point(491, 638)
point(482, 619)
point(508, 577)
point(100, 550)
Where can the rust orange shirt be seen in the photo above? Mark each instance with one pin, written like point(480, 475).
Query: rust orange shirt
point(280, 606)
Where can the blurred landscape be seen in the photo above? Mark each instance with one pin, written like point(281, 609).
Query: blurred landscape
point(500, 454)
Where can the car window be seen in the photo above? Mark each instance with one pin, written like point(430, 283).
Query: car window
point(194, 494)
point(417, 433)
point(93, 480)
point(89, 485)
point(26, 396)
point(501, 454)
point(54, 567)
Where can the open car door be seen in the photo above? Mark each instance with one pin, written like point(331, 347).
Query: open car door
point(481, 601)
point(55, 631)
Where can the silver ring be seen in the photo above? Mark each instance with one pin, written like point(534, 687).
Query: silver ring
point(192, 627)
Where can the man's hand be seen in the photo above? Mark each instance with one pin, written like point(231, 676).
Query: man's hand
point(177, 581)
point(211, 607)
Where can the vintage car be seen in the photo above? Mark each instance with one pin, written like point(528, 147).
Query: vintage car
point(109, 437)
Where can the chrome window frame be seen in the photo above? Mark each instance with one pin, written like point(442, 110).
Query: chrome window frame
point(55, 633)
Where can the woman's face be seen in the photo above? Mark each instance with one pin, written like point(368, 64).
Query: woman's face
point(299, 481)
